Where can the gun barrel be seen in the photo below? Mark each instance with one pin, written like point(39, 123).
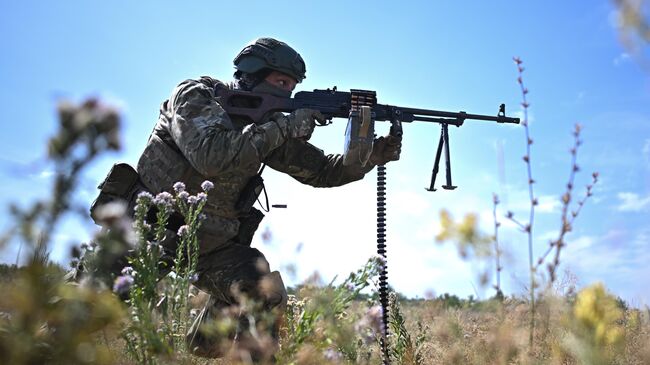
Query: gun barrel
point(438, 116)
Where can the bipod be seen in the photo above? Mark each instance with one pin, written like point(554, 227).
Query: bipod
point(444, 142)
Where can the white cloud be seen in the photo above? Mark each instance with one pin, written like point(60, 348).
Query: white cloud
point(548, 204)
point(632, 202)
point(42, 175)
point(520, 205)
point(45, 174)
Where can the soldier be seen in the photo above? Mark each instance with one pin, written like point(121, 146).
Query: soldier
point(196, 140)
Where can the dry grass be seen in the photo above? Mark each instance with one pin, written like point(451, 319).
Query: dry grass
point(487, 333)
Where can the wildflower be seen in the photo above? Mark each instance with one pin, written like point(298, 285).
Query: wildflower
point(381, 260)
point(183, 230)
point(370, 325)
point(128, 271)
point(597, 311)
point(202, 197)
point(207, 186)
point(192, 200)
point(202, 217)
point(374, 318)
point(122, 284)
point(179, 187)
point(194, 278)
point(164, 200)
point(144, 198)
point(183, 195)
point(331, 354)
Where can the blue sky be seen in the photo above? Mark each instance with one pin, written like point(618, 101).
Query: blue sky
point(439, 55)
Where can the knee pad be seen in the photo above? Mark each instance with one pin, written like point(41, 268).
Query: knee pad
point(272, 290)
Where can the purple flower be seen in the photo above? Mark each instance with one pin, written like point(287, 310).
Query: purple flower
point(122, 284)
point(179, 187)
point(192, 200)
point(183, 230)
point(332, 355)
point(128, 271)
point(144, 198)
point(194, 278)
point(164, 198)
point(202, 197)
point(207, 186)
point(183, 195)
point(371, 324)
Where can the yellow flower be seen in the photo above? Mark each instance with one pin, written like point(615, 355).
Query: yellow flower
point(466, 234)
point(598, 312)
point(446, 225)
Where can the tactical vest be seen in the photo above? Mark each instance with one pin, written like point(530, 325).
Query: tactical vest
point(162, 164)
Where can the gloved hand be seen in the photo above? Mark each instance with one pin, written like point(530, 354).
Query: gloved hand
point(385, 149)
point(300, 123)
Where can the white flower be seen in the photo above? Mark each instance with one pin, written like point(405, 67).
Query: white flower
point(183, 230)
point(207, 186)
point(144, 197)
point(202, 197)
point(179, 187)
point(164, 200)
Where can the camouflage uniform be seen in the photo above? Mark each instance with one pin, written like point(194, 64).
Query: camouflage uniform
point(195, 140)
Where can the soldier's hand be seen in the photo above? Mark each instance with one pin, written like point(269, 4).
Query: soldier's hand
point(385, 149)
point(301, 123)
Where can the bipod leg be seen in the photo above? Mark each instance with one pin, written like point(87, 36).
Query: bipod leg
point(445, 135)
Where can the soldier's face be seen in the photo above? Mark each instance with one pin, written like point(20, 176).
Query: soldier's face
point(282, 81)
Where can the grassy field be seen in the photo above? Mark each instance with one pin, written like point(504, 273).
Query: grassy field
point(590, 327)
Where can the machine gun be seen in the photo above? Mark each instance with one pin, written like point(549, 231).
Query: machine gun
point(362, 105)
point(339, 104)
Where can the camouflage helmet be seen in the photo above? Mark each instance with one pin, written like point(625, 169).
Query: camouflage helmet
point(269, 53)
